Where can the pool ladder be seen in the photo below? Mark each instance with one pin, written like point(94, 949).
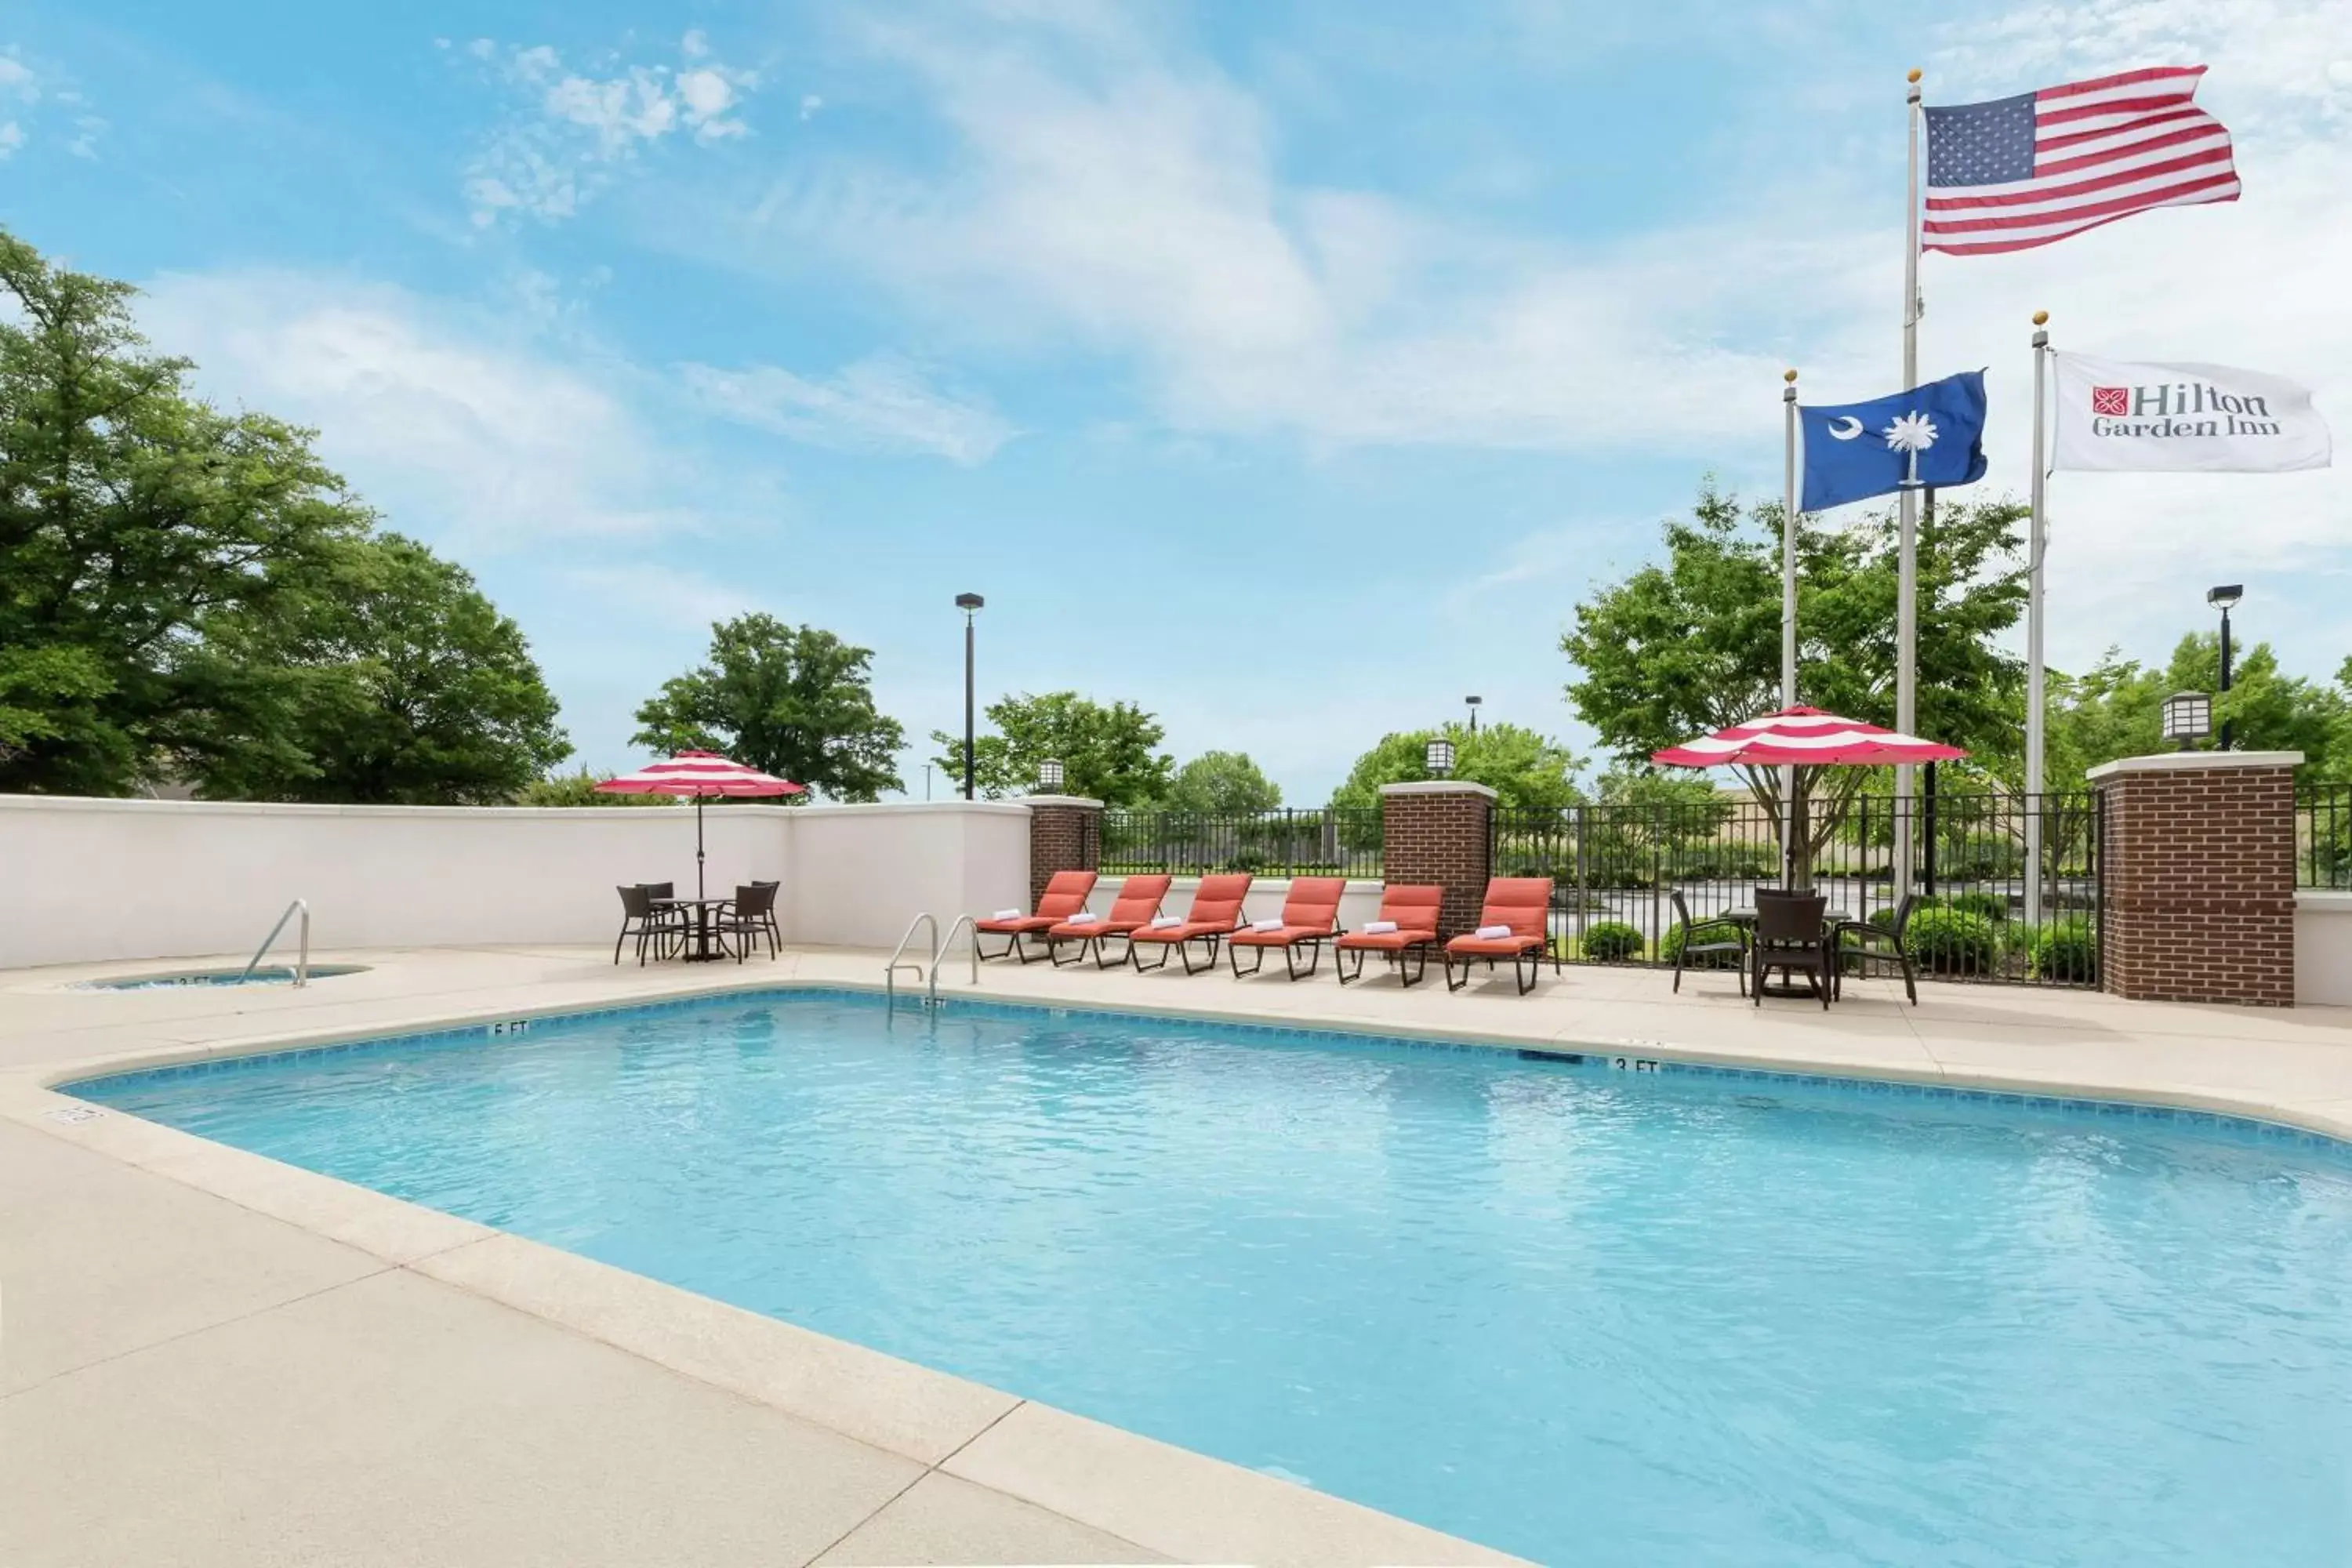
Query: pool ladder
point(302, 964)
point(899, 959)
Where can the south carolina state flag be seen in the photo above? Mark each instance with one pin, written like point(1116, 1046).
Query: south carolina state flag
point(1857, 450)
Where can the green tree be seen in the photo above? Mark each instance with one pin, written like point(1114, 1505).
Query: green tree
point(1106, 753)
point(578, 789)
point(1223, 784)
point(795, 701)
point(1528, 772)
point(131, 518)
point(1692, 644)
point(2116, 709)
point(397, 683)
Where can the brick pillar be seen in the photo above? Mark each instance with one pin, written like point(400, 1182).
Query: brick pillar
point(2197, 900)
point(1064, 835)
point(1441, 831)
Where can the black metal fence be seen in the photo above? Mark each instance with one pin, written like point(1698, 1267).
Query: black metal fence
point(2323, 835)
point(1322, 843)
point(1616, 869)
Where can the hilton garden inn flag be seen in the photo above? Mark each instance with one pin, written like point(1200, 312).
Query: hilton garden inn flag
point(2183, 418)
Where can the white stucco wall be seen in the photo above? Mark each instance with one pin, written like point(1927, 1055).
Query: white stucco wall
point(93, 879)
point(2323, 948)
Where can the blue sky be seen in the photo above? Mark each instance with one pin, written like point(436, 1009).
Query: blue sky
point(1289, 369)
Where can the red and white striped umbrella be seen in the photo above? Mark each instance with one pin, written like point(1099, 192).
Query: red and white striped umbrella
point(1807, 737)
point(699, 775)
point(704, 775)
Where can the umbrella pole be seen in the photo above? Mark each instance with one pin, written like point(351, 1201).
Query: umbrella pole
point(698, 846)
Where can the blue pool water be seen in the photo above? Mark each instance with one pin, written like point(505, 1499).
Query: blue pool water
point(1579, 1314)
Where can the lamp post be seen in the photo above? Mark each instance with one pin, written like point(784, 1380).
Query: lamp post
point(969, 605)
point(2223, 599)
point(1049, 776)
point(1471, 703)
point(1438, 755)
point(2187, 718)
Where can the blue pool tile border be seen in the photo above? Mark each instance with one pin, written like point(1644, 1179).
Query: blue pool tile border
point(1596, 1059)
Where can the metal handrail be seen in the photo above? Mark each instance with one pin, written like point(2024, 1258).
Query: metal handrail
point(890, 973)
point(302, 964)
point(962, 924)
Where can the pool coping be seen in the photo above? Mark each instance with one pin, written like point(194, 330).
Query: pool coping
point(1160, 1497)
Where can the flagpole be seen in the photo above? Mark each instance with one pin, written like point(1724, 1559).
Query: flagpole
point(2036, 715)
point(1906, 622)
point(1789, 619)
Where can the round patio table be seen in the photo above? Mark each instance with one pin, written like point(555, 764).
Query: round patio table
point(704, 950)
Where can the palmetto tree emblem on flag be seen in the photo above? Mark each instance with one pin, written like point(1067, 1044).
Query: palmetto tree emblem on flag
point(1911, 434)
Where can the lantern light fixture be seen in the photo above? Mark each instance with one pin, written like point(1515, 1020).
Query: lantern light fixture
point(2187, 718)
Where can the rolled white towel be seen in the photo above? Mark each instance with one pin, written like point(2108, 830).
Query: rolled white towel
point(1379, 928)
point(1492, 934)
point(1161, 923)
point(1084, 918)
point(1266, 925)
point(1006, 915)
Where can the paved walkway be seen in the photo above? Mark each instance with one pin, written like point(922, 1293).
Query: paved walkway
point(209, 1358)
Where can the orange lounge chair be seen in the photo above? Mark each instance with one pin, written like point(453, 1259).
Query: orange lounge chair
point(1310, 916)
point(1522, 903)
point(1137, 901)
point(1412, 908)
point(1065, 894)
point(1215, 914)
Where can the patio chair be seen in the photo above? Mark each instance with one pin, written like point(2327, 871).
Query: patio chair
point(1134, 905)
point(1408, 918)
point(1791, 935)
point(1217, 914)
point(1880, 944)
point(1310, 916)
point(745, 918)
point(775, 932)
point(1719, 933)
point(639, 918)
point(1065, 894)
point(1518, 911)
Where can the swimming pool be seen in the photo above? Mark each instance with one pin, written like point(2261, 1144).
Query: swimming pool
point(1576, 1313)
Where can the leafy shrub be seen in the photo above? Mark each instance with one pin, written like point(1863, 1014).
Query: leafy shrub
point(1951, 941)
point(1671, 947)
point(2064, 950)
point(1611, 941)
point(1993, 906)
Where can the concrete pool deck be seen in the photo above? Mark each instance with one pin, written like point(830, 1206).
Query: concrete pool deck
point(206, 1357)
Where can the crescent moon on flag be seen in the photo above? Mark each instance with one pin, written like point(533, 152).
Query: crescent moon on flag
point(1845, 427)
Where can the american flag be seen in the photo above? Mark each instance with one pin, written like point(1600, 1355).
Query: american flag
point(2022, 172)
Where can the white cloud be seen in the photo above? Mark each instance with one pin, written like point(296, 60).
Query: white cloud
point(1116, 195)
point(570, 130)
point(458, 431)
point(1113, 197)
point(878, 404)
point(12, 136)
point(16, 78)
point(677, 598)
point(809, 104)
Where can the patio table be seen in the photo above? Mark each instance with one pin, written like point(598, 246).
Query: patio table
point(704, 949)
